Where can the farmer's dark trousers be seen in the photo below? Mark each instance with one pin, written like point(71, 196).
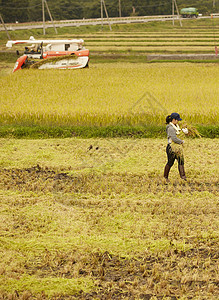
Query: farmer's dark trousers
point(171, 156)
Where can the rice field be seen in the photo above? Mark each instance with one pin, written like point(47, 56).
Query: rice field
point(196, 36)
point(193, 37)
point(94, 219)
point(152, 43)
point(112, 94)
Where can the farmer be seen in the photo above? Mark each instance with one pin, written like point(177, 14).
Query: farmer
point(174, 146)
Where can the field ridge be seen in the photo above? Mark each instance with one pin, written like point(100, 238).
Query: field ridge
point(147, 131)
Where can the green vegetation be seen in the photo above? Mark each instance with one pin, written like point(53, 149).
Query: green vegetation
point(196, 36)
point(93, 218)
point(131, 42)
point(149, 131)
point(31, 10)
point(8, 57)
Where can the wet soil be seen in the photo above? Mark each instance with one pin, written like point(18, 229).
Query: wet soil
point(48, 180)
point(144, 278)
point(170, 275)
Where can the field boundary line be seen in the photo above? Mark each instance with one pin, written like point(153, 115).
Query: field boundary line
point(97, 21)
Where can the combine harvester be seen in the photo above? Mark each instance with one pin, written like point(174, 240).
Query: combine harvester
point(51, 54)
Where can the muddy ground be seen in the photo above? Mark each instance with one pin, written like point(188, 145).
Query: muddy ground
point(168, 275)
point(142, 278)
point(47, 180)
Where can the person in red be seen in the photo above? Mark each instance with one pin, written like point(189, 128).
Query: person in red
point(173, 130)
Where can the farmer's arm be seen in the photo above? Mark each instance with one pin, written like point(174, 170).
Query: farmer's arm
point(172, 134)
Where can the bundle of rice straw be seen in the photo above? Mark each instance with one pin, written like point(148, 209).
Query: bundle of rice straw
point(192, 132)
point(177, 149)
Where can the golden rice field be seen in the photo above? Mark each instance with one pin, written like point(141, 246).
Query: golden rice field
point(94, 218)
point(111, 94)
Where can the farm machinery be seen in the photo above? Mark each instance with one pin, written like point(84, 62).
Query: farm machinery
point(189, 12)
point(51, 54)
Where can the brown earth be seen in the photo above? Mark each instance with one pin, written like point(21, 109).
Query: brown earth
point(172, 274)
point(168, 276)
point(47, 180)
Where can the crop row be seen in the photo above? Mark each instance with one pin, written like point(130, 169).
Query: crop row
point(150, 43)
point(179, 41)
point(149, 40)
point(161, 49)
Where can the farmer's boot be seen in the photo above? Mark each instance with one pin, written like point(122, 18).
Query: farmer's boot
point(182, 172)
point(166, 172)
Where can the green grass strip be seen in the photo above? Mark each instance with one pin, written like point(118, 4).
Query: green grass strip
point(208, 131)
point(8, 57)
point(50, 286)
point(148, 131)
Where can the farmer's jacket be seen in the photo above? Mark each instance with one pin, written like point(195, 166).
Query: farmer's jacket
point(171, 135)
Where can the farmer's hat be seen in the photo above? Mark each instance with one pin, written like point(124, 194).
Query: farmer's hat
point(176, 116)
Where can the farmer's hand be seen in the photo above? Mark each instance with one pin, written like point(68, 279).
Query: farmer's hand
point(185, 130)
